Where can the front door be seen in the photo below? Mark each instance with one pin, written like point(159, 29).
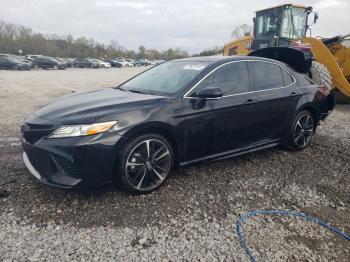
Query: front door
point(215, 126)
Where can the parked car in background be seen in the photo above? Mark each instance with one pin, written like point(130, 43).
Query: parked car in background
point(130, 62)
point(31, 57)
point(100, 63)
point(176, 114)
point(114, 63)
point(105, 64)
point(158, 62)
point(20, 58)
point(68, 61)
point(8, 62)
point(138, 62)
point(144, 62)
point(46, 62)
point(85, 63)
point(24, 60)
point(122, 62)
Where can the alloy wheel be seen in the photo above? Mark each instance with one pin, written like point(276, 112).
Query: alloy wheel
point(148, 164)
point(303, 131)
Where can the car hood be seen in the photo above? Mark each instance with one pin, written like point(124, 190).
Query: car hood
point(89, 107)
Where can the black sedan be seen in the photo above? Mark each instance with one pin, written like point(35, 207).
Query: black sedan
point(176, 114)
point(114, 63)
point(85, 63)
point(46, 62)
point(13, 63)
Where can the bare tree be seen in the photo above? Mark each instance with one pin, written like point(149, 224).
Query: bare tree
point(242, 30)
point(16, 37)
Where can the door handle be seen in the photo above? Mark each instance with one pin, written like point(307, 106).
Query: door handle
point(250, 101)
point(293, 94)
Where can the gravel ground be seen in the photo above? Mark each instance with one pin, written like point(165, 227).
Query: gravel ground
point(192, 217)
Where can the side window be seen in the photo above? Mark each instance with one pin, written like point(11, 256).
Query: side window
point(303, 80)
point(265, 75)
point(231, 79)
point(287, 78)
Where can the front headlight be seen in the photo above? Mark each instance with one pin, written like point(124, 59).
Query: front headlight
point(82, 130)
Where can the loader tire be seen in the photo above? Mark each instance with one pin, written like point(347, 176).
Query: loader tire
point(320, 75)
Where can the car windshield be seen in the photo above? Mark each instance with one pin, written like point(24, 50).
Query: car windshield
point(166, 79)
point(13, 59)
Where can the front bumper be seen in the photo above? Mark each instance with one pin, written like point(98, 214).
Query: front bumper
point(72, 162)
point(57, 180)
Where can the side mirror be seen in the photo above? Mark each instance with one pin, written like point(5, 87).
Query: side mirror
point(209, 92)
point(315, 17)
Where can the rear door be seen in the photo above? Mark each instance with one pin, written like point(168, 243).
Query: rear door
point(276, 95)
point(8, 64)
point(2, 63)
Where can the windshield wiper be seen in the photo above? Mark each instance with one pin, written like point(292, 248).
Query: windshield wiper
point(135, 91)
point(122, 89)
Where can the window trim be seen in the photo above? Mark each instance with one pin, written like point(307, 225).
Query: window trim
point(254, 91)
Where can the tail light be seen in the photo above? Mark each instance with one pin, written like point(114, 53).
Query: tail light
point(324, 90)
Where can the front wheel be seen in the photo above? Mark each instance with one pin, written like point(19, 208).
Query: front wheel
point(145, 163)
point(302, 131)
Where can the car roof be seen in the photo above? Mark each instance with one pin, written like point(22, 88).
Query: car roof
point(225, 59)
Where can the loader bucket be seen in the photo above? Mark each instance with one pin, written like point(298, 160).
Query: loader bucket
point(322, 55)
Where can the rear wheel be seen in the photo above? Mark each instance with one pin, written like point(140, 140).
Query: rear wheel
point(145, 163)
point(302, 131)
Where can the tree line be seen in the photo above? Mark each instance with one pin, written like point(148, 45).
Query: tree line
point(19, 39)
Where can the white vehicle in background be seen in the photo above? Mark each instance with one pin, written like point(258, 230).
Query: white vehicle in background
point(153, 62)
point(122, 62)
point(130, 62)
point(31, 57)
point(104, 64)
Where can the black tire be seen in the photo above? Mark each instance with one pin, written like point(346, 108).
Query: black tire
point(144, 166)
point(301, 131)
point(321, 75)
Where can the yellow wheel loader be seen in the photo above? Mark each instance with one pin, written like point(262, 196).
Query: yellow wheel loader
point(281, 33)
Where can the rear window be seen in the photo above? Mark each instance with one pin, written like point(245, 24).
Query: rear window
point(303, 80)
point(288, 79)
point(265, 75)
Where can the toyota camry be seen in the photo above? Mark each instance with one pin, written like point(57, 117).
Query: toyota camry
point(173, 115)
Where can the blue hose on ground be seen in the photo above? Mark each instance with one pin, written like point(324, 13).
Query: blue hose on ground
point(250, 214)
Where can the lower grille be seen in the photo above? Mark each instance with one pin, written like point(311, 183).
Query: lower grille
point(66, 165)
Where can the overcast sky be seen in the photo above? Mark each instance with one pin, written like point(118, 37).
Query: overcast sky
point(189, 24)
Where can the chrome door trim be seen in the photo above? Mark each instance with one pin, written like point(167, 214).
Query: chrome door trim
point(250, 92)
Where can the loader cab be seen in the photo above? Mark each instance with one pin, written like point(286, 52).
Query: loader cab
point(280, 26)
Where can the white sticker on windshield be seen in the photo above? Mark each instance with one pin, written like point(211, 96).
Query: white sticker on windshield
point(194, 67)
